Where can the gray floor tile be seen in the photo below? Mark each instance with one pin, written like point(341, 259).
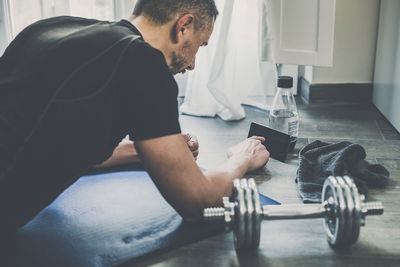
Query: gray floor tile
point(301, 242)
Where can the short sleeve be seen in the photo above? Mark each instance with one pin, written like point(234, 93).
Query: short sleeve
point(151, 94)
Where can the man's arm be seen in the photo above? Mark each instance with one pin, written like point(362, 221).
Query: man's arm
point(125, 152)
point(177, 176)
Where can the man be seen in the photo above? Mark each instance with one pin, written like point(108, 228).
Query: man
point(72, 88)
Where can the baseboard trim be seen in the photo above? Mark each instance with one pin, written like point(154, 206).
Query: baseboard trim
point(333, 92)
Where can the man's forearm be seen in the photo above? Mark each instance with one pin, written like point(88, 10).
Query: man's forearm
point(180, 179)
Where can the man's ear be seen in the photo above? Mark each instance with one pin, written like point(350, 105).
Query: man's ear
point(182, 26)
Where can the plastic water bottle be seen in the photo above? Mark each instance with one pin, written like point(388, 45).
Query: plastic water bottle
point(283, 115)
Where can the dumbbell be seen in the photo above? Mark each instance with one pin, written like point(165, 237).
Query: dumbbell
point(342, 208)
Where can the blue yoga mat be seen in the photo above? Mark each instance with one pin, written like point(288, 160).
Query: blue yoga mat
point(105, 220)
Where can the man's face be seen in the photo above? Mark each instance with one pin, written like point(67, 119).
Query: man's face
point(184, 58)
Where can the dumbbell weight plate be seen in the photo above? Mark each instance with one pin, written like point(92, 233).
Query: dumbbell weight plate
point(349, 212)
point(356, 211)
point(239, 228)
point(249, 214)
point(257, 215)
point(334, 224)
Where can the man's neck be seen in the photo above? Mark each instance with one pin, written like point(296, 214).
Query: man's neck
point(157, 36)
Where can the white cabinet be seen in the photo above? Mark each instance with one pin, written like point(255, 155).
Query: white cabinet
point(386, 96)
point(303, 31)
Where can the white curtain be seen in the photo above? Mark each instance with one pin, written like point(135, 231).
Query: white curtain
point(5, 25)
point(23, 12)
point(232, 70)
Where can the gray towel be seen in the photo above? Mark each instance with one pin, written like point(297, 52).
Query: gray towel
point(319, 160)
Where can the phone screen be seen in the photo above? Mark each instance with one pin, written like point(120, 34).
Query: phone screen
point(277, 143)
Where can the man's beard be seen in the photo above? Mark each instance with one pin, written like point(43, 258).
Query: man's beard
point(177, 63)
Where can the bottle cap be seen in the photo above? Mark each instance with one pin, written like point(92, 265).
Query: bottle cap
point(285, 82)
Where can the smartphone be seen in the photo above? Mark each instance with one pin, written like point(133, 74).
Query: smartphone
point(277, 143)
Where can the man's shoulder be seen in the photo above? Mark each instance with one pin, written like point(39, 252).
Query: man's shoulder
point(63, 25)
point(78, 29)
point(65, 19)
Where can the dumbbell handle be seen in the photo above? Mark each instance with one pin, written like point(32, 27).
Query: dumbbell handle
point(312, 211)
point(293, 211)
point(277, 212)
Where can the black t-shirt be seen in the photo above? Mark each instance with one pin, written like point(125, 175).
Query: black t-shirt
point(70, 90)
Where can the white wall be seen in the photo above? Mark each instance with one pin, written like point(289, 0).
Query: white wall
point(356, 24)
point(387, 69)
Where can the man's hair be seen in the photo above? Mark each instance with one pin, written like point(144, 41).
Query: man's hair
point(163, 11)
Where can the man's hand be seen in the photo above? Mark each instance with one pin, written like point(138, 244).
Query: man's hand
point(253, 149)
point(192, 143)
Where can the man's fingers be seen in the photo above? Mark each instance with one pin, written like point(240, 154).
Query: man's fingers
point(192, 143)
point(260, 138)
point(193, 146)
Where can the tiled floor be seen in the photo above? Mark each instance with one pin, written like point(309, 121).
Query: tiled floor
point(301, 242)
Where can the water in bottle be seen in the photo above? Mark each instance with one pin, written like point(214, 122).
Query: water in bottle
point(283, 115)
